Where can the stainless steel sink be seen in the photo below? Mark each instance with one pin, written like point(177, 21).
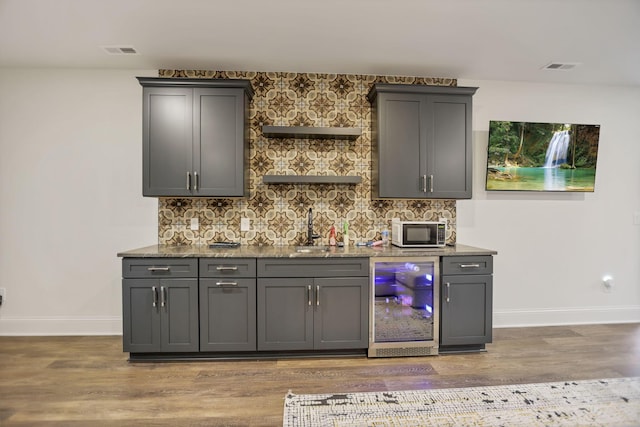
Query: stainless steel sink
point(310, 249)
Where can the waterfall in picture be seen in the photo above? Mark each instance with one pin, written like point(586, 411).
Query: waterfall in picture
point(557, 151)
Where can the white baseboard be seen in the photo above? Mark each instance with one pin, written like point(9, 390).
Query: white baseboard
point(62, 325)
point(565, 316)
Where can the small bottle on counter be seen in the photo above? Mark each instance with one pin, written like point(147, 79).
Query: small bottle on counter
point(345, 233)
point(385, 237)
point(332, 236)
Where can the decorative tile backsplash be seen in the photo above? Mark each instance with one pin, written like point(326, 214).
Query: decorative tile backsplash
point(278, 212)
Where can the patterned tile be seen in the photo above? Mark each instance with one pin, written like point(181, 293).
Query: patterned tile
point(278, 213)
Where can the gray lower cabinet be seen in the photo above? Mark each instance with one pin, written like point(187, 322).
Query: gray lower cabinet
point(227, 304)
point(421, 141)
point(466, 304)
point(302, 307)
point(195, 137)
point(160, 305)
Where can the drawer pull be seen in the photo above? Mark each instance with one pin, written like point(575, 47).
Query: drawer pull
point(469, 265)
point(158, 268)
point(226, 283)
point(226, 268)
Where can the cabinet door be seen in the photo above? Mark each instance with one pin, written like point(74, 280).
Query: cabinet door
point(341, 313)
point(449, 146)
point(141, 315)
point(401, 146)
point(219, 158)
point(285, 314)
point(466, 310)
point(227, 314)
point(179, 315)
point(167, 135)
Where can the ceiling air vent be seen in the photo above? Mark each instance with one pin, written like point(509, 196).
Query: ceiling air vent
point(120, 50)
point(562, 66)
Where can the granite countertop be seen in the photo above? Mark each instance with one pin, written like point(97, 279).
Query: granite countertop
point(203, 251)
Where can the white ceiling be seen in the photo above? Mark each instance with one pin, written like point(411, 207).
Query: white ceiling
point(465, 39)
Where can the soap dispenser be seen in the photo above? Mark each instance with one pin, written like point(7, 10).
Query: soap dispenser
point(332, 236)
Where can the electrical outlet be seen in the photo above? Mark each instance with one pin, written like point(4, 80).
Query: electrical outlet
point(3, 295)
point(245, 224)
point(636, 218)
point(195, 225)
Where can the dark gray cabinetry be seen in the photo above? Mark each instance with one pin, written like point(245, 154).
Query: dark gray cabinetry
point(313, 304)
point(421, 141)
point(227, 304)
point(160, 305)
point(466, 302)
point(195, 137)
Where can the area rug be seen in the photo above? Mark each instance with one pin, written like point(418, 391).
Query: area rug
point(605, 402)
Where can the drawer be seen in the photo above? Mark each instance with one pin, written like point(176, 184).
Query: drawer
point(467, 265)
point(140, 268)
point(313, 267)
point(227, 267)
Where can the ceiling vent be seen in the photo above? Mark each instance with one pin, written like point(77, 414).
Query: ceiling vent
point(120, 50)
point(561, 66)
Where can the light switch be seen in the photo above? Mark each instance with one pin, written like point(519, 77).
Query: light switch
point(636, 218)
point(245, 224)
point(195, 225)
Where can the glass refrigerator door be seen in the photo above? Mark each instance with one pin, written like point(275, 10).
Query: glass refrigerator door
point(404, 301)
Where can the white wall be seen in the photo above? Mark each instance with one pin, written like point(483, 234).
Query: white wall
point(554, 248)
point(70, 197)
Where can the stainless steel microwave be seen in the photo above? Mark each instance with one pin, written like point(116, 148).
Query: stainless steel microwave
point(418, 234)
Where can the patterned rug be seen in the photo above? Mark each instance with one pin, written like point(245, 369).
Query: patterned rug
point(607, 402)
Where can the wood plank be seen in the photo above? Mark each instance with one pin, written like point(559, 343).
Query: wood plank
point(311, 132)
point(78, 381)
point(311, 179)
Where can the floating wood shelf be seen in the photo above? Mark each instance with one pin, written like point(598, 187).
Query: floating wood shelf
point(311, 132)
point(310, 179)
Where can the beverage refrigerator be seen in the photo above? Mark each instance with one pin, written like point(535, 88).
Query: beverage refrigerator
point(404, 309)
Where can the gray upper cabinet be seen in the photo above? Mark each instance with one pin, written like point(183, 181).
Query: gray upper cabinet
point(195, 137)
point(421, 141)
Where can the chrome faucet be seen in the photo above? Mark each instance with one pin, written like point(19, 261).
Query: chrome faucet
point(310, 235)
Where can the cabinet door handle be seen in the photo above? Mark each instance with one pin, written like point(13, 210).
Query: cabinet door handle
point(448, 286)
point(309, 295)
point(195, 181)
point(226, 283)
point(424, 183)
point(317, 295)
point(163, 296)
point(469, 265)
point(154, 295)
point(227, 268)
point(431, 183)
point(189, 181)
point(152, 269)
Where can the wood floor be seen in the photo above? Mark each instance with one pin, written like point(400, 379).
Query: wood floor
point(87, 381)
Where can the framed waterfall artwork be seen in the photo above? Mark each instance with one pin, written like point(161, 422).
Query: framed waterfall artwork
point(527, 156)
